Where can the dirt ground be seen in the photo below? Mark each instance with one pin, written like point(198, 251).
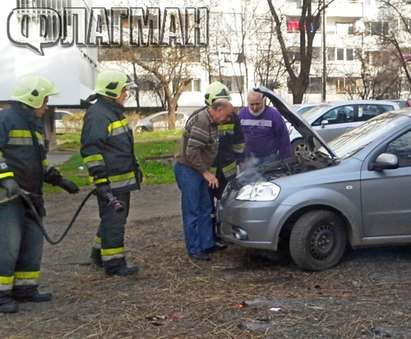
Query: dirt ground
point(236, 295)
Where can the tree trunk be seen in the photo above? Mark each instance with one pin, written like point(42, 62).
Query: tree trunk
point(298, 89)
point(172, 105)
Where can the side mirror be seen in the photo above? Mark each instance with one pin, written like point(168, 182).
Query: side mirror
point(385, 161)
point(324, 123)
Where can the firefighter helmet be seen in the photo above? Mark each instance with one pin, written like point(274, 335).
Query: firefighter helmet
point(31, 90)
point(110, 83)
point(216, 90)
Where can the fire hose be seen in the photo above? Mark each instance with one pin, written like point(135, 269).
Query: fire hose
point(112, 202)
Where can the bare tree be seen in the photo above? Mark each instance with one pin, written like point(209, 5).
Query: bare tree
point(268, 65)
point(309, 23)
point(399, 38)
point(379, 77)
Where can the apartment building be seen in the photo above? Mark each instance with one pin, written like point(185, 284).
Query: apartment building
point(243, 51)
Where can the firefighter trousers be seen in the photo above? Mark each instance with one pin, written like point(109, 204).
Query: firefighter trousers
point(110, 234)
point(21, 248)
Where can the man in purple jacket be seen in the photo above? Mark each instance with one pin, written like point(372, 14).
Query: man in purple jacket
point(265, 133)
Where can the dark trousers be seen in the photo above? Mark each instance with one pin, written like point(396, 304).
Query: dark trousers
point(196, 209)
point(110, 233)
point(21, 248)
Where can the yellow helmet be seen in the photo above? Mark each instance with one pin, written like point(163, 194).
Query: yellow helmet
point(110, 83)
point(31, 90)
point(214, 91)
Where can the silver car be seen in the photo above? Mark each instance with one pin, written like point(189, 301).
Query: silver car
point(333, 119)
point(354, 191)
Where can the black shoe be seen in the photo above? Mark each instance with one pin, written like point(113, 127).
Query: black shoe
point(95, 257)
point(9, 307)
point(35, 298)
point(200, 256)
point(123, 271)
point(217, 247)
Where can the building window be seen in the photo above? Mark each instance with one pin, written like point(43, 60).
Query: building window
point(340, 54)
point(344, 28)
point(314, 85)
point(345, 85)
point(376, 28)
point(293, 25)
point(350, 54)
point(234, 83)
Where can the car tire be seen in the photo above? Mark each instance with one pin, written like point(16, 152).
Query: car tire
point(318, 240)
point(298, 147)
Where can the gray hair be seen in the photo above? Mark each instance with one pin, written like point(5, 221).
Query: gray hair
point(254, 93)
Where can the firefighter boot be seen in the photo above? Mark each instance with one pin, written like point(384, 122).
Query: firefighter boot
point(7, 304)
point(31, 294)
point(95, 257)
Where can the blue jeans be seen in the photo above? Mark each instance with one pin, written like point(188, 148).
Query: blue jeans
point(196, 207)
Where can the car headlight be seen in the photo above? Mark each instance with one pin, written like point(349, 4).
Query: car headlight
point(262, 191)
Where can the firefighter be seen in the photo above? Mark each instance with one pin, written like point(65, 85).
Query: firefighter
point(229, 156)
point(24, 167)
point(107, 150)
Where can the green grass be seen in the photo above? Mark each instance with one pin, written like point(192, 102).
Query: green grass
point(71, 141)
point(149, 145)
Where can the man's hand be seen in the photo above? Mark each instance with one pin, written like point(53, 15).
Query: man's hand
point(11, 186)
point(211, 179)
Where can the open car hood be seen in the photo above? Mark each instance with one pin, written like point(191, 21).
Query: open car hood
point(308, 133)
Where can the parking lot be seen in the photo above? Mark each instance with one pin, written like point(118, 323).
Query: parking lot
point(239, 294)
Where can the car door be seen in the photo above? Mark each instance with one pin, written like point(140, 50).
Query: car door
point(386, 196)
point(340, 119)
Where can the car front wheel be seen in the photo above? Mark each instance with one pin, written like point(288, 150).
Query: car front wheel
point(318, 240)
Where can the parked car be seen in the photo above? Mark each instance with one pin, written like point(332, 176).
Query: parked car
point(331, 120)
point(59, 117)
point(302, 108)
point(159, 121)
point(353, 191)
point(401, 102)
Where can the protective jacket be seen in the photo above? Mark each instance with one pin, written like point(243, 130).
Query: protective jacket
point(107, 147)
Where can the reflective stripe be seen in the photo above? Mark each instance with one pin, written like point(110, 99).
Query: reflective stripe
point(94, 157)
point(112, 253)
point(213, 170)
point(226, 128)
point(28, 275)
point(26, 278)
point(97, 181)
point(124, 183)
point(238, 148)
point(6, 283)
point(97, 244)
point(19, 133)
point(118, 127)
point(111, 257)
point(116, 181)
point(256, 122)
point(94, 160)
point(45, 163)
point(6, 175)
point(40, 138)
point(24, 137)
point(20, 141)
point(119, 131)
point(122, 177)
point(230, 169)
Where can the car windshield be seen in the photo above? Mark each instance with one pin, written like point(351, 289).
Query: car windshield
point(313, 113)
point(355, 140)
